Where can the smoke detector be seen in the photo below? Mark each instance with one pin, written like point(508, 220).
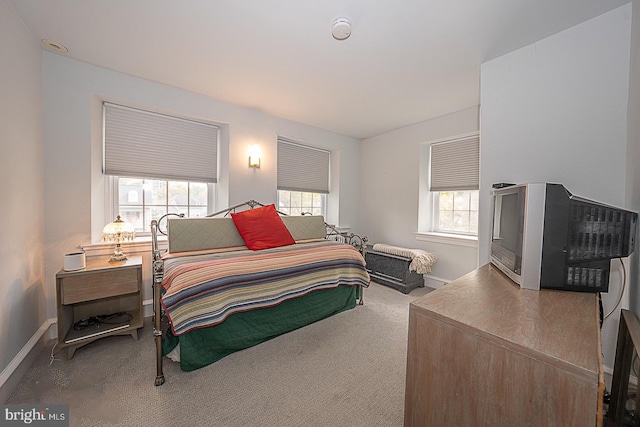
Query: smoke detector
point(54, 45)
point(341, 29)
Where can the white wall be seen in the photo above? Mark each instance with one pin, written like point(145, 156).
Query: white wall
point(22, 289)
point(556, 111)
point(633, 152)
point(390, 181)
point(74, 185)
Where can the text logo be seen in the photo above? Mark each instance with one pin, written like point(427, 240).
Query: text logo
point(36, 415)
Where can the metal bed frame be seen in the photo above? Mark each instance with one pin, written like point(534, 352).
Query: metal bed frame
point(160, 323)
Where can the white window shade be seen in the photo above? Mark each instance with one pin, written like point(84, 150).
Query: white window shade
point(455, 165)
point(302, 168)
point(143, 144)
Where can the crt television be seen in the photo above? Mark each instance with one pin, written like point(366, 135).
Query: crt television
point(543, 237)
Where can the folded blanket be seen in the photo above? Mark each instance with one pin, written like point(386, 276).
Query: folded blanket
point(421, 261)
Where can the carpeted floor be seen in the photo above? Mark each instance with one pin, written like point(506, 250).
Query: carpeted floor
point(348, 370)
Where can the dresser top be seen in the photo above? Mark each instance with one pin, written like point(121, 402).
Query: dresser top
point(559, 326)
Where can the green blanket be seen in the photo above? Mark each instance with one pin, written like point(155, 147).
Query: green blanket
point(201, 347)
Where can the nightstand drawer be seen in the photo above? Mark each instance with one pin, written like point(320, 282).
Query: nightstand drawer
point(86, 287)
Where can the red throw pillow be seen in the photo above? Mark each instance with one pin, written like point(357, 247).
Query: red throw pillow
point(262, 228)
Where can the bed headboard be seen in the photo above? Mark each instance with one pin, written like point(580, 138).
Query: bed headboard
point(193, 234)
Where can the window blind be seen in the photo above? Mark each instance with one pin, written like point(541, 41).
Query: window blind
point(455, 165)
point(144, 144)
point(302, 168)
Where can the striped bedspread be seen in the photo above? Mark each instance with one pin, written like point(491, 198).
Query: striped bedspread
point(204, 288)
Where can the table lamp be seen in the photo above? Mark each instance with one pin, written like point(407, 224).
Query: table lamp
point(118, 231)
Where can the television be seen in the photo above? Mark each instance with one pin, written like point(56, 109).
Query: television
point(544, 237)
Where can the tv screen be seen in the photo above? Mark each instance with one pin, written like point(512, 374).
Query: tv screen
point(508, 224)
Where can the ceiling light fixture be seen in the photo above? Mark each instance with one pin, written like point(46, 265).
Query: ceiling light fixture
point(54, 45)
point(341, 29)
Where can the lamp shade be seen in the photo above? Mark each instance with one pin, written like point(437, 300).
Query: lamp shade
point(254, 156)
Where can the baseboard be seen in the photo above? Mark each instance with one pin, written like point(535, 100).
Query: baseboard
point(147, 308)
point(15, 370)
point(434, 282)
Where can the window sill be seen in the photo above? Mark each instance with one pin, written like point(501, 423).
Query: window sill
point(447, 239)
point(341, 229)
point(139, 245)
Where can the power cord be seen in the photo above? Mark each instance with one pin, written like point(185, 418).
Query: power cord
point(624, 281)
point(108, 319)
point(52, 357)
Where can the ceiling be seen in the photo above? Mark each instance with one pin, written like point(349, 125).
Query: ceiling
point(406, 61)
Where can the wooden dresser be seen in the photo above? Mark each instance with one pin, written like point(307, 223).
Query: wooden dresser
point(483, 352)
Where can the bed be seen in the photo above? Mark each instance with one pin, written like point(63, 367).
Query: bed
point(224, 286)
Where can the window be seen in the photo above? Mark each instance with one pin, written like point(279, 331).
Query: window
point(457, 212)
point(141, 200)
point(303, 178)
point(453, 183)
point(158, 164)
point(299, 202)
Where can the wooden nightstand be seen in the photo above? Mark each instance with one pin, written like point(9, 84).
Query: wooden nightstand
point(101, 289)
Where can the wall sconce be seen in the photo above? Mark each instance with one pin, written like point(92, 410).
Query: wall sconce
point(118, 232)
point(254, 156)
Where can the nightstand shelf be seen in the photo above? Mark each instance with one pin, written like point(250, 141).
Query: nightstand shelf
point(101, 289)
